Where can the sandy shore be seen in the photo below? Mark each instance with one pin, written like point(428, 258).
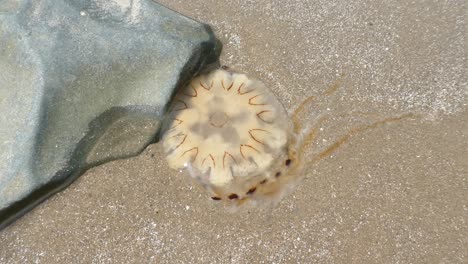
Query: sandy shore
point(394, 194)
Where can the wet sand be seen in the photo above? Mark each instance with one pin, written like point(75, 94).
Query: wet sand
point(393, 194)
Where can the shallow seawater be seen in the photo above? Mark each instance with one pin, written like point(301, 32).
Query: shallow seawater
point(392, 194)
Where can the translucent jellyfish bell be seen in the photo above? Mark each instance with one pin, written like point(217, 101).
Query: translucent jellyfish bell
point(230, 133)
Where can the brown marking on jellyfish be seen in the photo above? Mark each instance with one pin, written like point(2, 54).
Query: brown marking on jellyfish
point(190, 150)
point(233, 196)
point(257, 129)
point(296, 166)
point(224, 158)
point(253, 97)
point(288, 162)
point(224, 87)
point(242, 93)
point(178, 123)
point(195, 93)
point(212, 159)
point(177, 135)
point(278, 174)
point(251, 190)
point(182, 108)
point(182, 141)
point(249, 146)
point(263, 181)
point(259, 115)
point(216, 198)
point(206, 88)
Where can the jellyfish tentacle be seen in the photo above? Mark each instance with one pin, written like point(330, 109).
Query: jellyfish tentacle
point(307, 139)
point(330, 91)
point(313, 134)
point(344, 139)
point(356, 115)
point(334, 87)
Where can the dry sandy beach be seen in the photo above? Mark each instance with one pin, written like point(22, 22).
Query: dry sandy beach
point(394, 194)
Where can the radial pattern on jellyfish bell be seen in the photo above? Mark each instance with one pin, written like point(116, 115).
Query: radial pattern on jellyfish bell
point(225, 126)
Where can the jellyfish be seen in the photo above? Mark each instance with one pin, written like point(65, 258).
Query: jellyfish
point(230, 133)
